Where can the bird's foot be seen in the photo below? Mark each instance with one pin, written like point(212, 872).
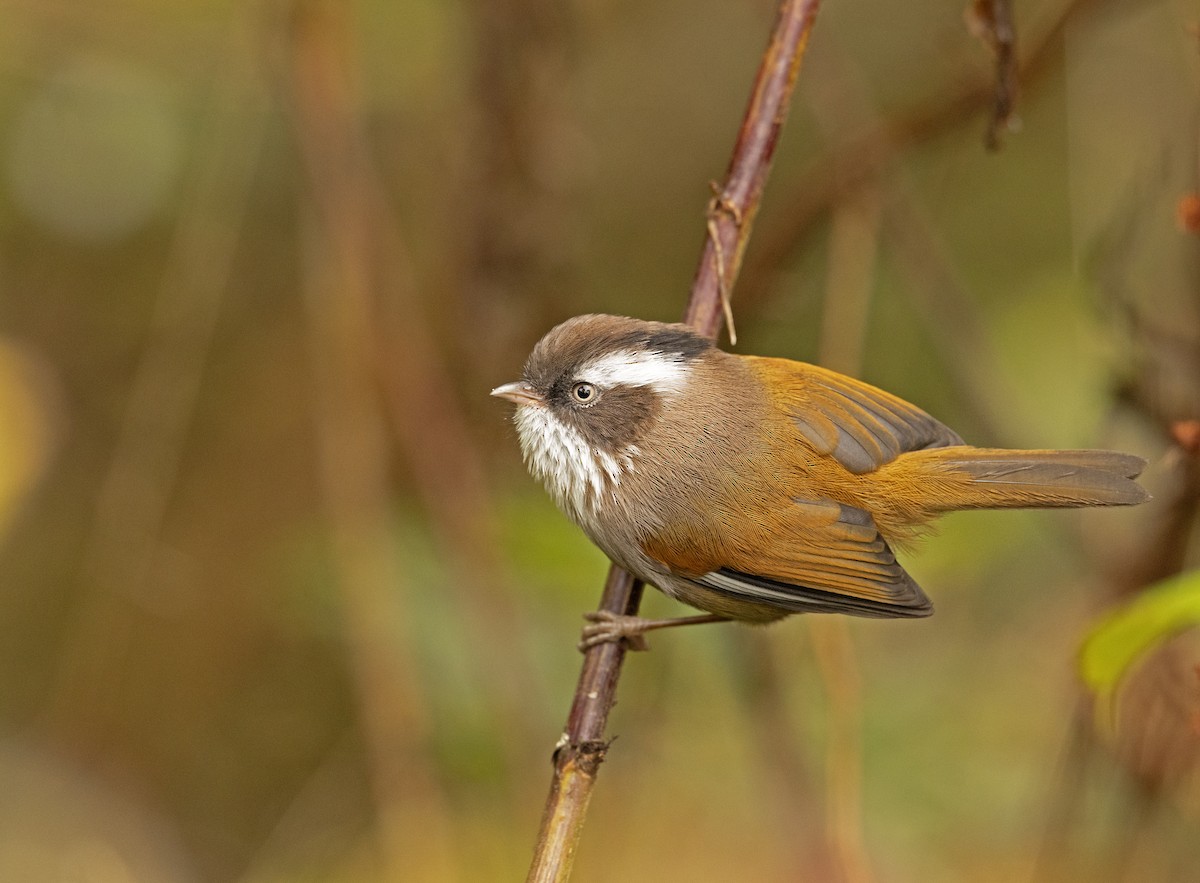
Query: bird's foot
point(610, 628)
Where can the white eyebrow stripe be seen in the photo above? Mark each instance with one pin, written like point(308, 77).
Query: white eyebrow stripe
point(665, 372)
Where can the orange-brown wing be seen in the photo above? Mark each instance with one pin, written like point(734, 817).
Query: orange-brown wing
point(860, 426)
point(818, 556)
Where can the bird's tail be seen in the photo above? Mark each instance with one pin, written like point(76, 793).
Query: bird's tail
point(963, 477)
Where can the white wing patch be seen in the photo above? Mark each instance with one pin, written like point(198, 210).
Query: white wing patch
point(665, 372)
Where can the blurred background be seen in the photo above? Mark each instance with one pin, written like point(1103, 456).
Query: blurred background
point(278, 601)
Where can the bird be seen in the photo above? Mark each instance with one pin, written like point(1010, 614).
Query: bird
point(753, 488)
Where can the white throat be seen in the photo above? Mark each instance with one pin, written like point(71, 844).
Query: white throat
point(576, 474)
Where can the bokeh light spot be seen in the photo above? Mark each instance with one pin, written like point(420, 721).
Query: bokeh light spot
point(95, 151)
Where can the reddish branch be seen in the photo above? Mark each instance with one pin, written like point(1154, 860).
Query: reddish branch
point(582, 747)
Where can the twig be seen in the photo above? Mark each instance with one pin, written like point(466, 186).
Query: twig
point(582, 746)
point(737, 202)
point(862, 158)
point(992, 22)
point(412, 821)
point(1004, 100)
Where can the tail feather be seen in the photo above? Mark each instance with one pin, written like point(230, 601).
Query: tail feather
point(1126, 465)
point(1001, 479)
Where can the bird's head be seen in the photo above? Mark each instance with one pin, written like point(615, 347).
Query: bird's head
point(592, 389)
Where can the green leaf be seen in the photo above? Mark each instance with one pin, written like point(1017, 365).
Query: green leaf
point(1120, 639)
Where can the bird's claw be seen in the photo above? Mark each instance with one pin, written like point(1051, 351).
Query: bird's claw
point(611, 628)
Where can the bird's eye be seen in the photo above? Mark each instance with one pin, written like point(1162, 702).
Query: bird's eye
point(583, 393)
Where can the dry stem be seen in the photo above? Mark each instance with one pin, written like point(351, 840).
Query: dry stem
point(731, 215)
point(352, 446)
point(141, 479)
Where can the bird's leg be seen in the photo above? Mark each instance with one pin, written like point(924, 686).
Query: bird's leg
point(609, 627)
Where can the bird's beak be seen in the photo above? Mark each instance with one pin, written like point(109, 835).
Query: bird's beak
point(520, 392)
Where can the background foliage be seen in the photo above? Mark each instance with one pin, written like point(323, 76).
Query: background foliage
point(277, 599)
